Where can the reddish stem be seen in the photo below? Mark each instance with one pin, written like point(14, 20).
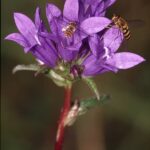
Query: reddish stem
point(63, 115)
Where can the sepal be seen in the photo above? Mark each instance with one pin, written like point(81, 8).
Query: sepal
point(92, 85)
point(31, 67)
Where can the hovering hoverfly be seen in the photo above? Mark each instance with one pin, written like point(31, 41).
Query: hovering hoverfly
point(122, 24)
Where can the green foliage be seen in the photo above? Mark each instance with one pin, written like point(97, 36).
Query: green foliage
point(92, 102)
point(92, 85)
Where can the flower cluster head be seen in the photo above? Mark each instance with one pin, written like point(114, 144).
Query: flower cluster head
point(81, 40)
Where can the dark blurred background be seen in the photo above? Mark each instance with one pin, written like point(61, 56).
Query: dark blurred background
point(31, 106)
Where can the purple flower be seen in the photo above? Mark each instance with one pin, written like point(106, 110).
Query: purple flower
point(121, 60)
point(68, 46)
point(109, 59)
point(90, 8)
point(79, 39)
point(42, 49)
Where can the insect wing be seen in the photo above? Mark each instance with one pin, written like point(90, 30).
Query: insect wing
point(136, 23)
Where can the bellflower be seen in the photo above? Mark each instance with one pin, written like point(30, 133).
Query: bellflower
point(42, 49)
point(94, 8)
point(68, 47)
point(110, 59)
point(90, 8)
point(91, 47)
point(81, 44)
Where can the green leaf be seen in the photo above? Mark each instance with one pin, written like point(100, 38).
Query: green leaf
point(92, 85)
point(31, 67)
point(82, 106)
point(89, 103)
point(58, 79)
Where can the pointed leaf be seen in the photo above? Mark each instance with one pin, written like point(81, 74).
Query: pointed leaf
point(89, 103)
point(58, 79)
point(31, 67)
point(92, 85)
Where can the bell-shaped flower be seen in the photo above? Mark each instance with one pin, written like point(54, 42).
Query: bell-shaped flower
point(69, 29)
point(29, 38)
point(109, 59)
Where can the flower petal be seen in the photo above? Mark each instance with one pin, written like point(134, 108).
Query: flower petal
point(37, 17)
point(52, 11)
point(100, 9)
point(91, 66)
point(90, 2)
point(81, 11)
point(18, 38)
point(108, 3)
point(67, 55)
point(71, 9)
point(113, 38)
point(125, 60)
point(48, 56)
point(74, 47)
point(95, 44)
point(26, 27)
point(95, 24)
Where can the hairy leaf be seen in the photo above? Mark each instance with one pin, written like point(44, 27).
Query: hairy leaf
point(92, 85)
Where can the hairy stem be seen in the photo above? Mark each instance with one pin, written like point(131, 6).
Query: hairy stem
point(61, 124)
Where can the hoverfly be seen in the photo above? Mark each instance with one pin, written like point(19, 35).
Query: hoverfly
point(69, 29)
point(122, 24)
point(119, 30)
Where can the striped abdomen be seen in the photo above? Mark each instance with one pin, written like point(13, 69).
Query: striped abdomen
point(122, 25)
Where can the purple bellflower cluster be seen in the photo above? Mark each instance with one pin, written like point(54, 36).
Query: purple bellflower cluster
point(80, 43)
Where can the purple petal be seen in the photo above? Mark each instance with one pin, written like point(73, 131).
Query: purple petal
point(113, 38)
point(81, 11)
point(71, 9)
point(125, 60)
point(49, 36)
point(95, 44)
point(48, 56)
point(29, 48)
point(108, 3)
point(100, 9)
point(66, 54)
point(37, 17)
point(38, 22)
point(52, 12)
point(90, 2)
point(18, 38)
point(95, 24)
point(74, 47)
point(91, 66)
point(26, 27)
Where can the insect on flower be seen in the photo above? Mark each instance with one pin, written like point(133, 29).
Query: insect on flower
point(122, 25)
point(69, 29)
